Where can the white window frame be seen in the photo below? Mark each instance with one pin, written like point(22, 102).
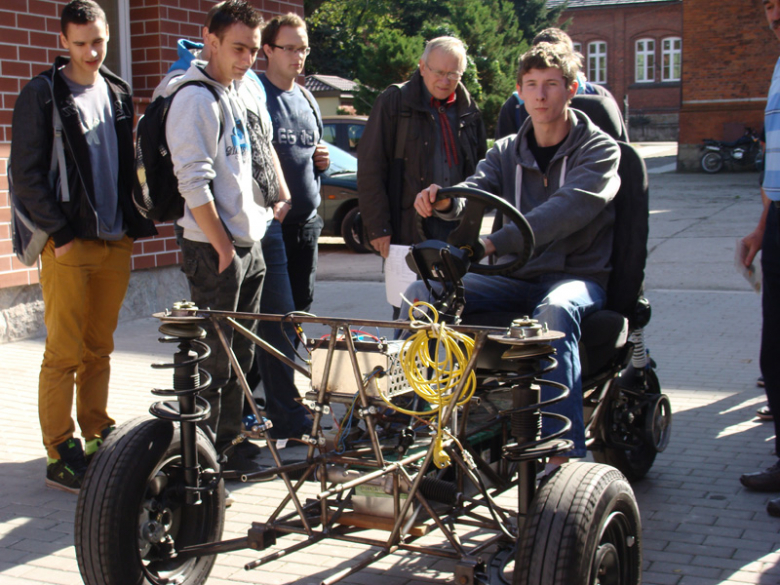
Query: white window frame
point(118, 16)
point(125, 54)
point(597, 62)
point(644, 61)
point(671, 59)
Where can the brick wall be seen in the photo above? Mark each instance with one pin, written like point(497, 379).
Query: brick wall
point(29, 43)
point(620, 27)
point(726, 72)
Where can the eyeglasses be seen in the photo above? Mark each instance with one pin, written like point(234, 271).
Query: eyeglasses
point(451, 75)
point(290, 50)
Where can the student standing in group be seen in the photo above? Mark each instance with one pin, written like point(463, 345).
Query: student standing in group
point(226, 195)
point(85, 266)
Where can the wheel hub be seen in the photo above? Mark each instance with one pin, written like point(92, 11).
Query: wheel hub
point(607, 565)
point(658, 423)
point(153, 527)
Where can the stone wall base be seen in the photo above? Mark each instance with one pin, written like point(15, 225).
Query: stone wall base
point(149, 291)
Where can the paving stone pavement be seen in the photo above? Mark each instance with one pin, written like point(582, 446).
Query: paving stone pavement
point(700, 526)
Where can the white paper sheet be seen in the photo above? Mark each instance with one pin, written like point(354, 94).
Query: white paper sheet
point(398, 276)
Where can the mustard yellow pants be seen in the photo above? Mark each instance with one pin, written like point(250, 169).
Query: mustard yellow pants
point(83, 291)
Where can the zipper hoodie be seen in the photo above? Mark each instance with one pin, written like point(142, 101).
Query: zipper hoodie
point(568, 207)
point(212, 147)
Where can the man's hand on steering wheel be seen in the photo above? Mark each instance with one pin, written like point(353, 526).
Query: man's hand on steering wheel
point(466, 236)
point(425, 202)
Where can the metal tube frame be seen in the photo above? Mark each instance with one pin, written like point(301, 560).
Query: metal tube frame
point(331, 501)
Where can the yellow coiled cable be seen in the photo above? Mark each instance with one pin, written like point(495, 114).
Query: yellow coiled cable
point(434, 378)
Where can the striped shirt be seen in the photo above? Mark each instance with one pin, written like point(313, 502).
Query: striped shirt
point(772, 127)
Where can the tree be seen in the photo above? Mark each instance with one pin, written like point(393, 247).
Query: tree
point(535, 15)
point(391, 57)
point(379, 42)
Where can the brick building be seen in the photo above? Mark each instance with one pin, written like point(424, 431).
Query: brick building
point(633, 48)
point(141, 48)
point(727, 67)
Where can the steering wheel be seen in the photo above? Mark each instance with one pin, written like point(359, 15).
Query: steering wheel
point(466, 235)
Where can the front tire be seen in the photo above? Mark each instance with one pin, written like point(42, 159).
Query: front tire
point(583, 528)
point(711, 162)
point(131, 515)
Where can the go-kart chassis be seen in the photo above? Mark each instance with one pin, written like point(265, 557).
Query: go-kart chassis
point(329, 510)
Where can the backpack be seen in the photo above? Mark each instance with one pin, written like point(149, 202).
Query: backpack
point(310, 98)
point(28, 239)
point(156, 189)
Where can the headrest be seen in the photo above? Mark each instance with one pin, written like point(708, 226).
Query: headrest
point(602, 111)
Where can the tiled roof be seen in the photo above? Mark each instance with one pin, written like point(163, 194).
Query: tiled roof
point(599, 3)
point(316, 83)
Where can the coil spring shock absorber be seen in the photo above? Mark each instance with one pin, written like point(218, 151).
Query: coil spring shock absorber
point(639, 357)
point(182, 325)
point(531, 354)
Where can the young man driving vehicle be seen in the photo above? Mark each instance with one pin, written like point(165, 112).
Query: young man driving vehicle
point(561, 172)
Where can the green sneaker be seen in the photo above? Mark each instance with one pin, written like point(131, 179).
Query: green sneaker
point(67, 472)
point(93, 445)
point(60, 476)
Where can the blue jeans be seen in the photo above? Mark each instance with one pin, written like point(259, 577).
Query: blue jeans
point(300, 243)
point(562, 304)
point(287, 415)
point(770, 306)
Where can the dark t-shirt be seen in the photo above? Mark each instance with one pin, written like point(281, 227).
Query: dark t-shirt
point(543, 154)
point(295, 137)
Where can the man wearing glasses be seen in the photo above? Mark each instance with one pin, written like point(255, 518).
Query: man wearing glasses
point(290, 247)
point(427, 130)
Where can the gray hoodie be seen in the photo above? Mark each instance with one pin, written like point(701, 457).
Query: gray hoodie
point(568, 207)
point(199, 157)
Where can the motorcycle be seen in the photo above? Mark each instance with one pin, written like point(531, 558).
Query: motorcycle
point(744, 153)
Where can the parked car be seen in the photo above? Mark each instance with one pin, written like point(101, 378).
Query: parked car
point(343, 131)
point(339, 205)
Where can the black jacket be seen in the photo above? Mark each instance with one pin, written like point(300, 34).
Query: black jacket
point(376, 151)
point(31, 151)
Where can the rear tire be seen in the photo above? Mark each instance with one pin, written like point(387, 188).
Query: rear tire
point(131, 514)
point(711, 162)
point(583, 528)
point(633, 463)
point(350, 232)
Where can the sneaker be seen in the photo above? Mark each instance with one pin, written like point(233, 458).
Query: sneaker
point(764, 413)
point(763, 481)
point(229, 499)
point(304, 429)
point(760, 382)
point(67, 472)
point(237, 461)
point(248, 449)
point(93, 445)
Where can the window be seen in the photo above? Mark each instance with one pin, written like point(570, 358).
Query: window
point(354, 132)
point(577, 47)
point(329, 133)
point(597, 62)
point(672, 59)
point(118, 55)
point(645, 60)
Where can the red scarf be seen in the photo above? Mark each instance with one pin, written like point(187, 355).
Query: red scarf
point(447, 136)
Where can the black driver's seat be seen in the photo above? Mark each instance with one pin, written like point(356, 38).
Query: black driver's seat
point(604, 333)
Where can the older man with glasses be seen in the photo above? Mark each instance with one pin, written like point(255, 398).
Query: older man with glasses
point(425, 130)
